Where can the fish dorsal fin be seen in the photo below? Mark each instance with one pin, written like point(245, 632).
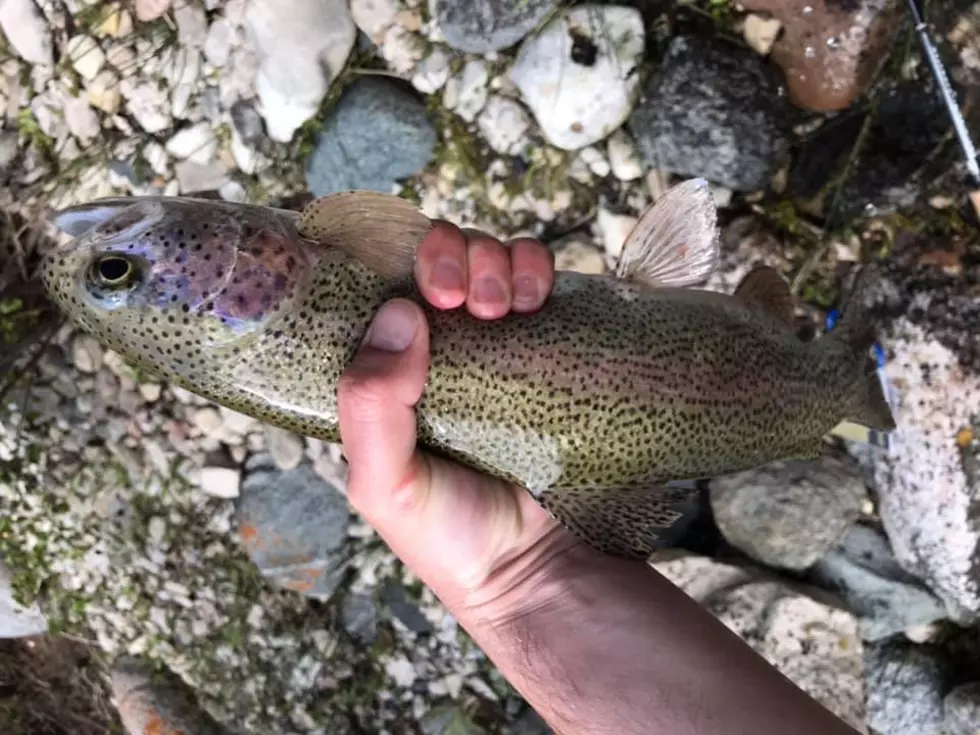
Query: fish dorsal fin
point(675, 241)
point(765, 289)
point(380, 230)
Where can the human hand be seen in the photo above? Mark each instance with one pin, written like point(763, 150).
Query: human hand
point(473, 539)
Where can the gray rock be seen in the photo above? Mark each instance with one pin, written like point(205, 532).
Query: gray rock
point(404, 610)
point(789, 514)
point(715, 111)
point(886, 598)
point(904, 685)
point(530, 723)
point(480, 26)
point(377, 134)
point(360, 617)
point(961, 708)
point(17, 621)
point(8, 149)
point(247, 121)
point(294, 526)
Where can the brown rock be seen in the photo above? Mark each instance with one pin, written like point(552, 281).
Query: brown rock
point(830, 50)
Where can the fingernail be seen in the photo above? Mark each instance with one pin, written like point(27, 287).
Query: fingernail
point(447, 274)
point(393, 328)
point(526, 291)
point(489, 290)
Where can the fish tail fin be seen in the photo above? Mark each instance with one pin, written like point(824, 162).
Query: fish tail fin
point(869, 406)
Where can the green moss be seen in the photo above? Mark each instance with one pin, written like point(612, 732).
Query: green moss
point(29, 128)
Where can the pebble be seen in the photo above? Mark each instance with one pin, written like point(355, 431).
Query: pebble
point(482, 26)
point(149, 10)
point(904, 684)
point(961, 708)
point(246, 121)
point(220, 482)
point(300, 53)
point(192, 24)
point(150, 392)
point(468, 92)
point(761, 32)
point(377, 134)
point(103, 92)
point(624, 159)
point(208, 420)
point(294, 526)
point(614, 228)
point(86, 56)
point(26, 31)
point(148, 104)
point(196, 143)
point(432, 72)
point(82, 120)
point(862, 569)
point(714, 110)
point(287, 448)
point(831, 52)
point(8, 149)
point(86, 353)
point(576, 252)
point(583, 90)
point(193, 177)
point(596, 162)
point(360, 617)
point(505, 125)
point(789, 514)
point(217, 45)
point(374, 17)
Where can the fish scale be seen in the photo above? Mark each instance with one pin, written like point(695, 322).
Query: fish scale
point(619, 385)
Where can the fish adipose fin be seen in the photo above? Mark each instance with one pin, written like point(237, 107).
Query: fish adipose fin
point(675, 241)
point(380, 230)
point(624, 521)
point(765, 289)
point(869, 406)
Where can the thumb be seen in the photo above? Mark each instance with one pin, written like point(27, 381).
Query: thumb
point(376, 399)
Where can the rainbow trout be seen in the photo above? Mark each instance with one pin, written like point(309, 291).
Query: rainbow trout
point(619, 385)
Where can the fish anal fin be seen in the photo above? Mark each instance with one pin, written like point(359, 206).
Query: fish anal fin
point(380, 230)
point(674, 243)
point(767, 290)
point(623, 521)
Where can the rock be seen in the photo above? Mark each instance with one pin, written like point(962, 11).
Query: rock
point(761, 32)
point(449, 720)
point(246, 121)
point(86, 56)
point(148, 104)
point(360, 617)
point(482, 26)
point(217, 45)
point(467, 94)
point(103, 92)
point(294, 526)
point(404, 610)
point(614, 229)
point(86, 353)
point(183, 73)
point(149, 10)
point(830, 51)
point(192, 24)
point(8, 149)
point(26, 31)
point(961, 709)
point(624, 159)
point(194, 177)
point(152, 701)
point(577, 74)
point(432, 72)
point(17, 621)
point(862, 569)
point(789, 514)
point(714, 111)
point(374, 17)
point(377, 134)
point(578, 253)
point(287, 449)
point(904, 689)
point(898, 154)
point(196, 143)
point(300, 53)
point(220, 482)
point(81, 119)
point(505, 125)
point(530, 723)
point(816, 645)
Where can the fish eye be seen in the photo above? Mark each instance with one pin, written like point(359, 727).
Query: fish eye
point(113, 271)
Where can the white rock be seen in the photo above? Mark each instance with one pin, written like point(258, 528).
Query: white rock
point(577, 253)
point(432, 72)
point(86, 353)
point(402, 49)
point(156, 530)
point(16, 621)
point(624, 159)
point(147, 10)
point(81, 119)
point(577, 105)
point(207, 419)
point(401, 670)
point(761, 32)
point(197, 143)
point(246, 157)
point(217, 46)
point(183, 72)
point(472, 91)
point(374, 17)
point(233, 192)
point(86, 55)
point(504, 124)
point(596, 162)
point(150, 391)
point(148, 104)
point(286, 448)
point(156, 155)
point(26, 30)
point(103, 92)
point(192, 24)
point(220, 482)
point(293, 47)
point(615, 228)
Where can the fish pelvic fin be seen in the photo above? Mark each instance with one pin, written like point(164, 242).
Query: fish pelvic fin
point(380, 230)
point(675, 242)
point(869, 406)
point(623, 521)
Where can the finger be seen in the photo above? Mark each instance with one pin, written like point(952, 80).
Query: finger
point(489, 288)
point(533, 273)
point(440, 266)
point(376, 396)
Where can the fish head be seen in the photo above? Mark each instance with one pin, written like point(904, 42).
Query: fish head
point(169, 282)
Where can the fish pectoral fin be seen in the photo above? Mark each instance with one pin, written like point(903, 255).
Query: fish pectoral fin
point(623, 521)
point(675, 241)
point(765, 289)
point(380, 230)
